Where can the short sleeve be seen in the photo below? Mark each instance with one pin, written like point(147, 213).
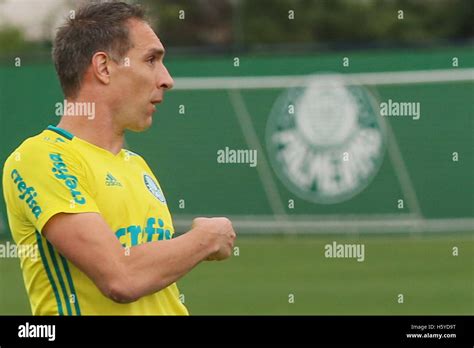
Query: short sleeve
point(40, 183)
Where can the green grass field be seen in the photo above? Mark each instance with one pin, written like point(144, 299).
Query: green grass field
point(269, 269)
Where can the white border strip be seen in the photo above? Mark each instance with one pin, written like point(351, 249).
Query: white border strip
point(319, 226)
point(376, 78)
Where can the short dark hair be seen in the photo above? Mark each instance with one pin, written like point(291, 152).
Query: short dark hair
point(98, 26)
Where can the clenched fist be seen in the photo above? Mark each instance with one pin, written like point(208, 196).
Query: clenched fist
point(218, 234)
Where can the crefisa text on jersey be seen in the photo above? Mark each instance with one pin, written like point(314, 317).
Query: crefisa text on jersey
point(61, 172)
point(25, 190)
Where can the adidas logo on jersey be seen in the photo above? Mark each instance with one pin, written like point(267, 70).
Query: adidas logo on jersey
point(111, 181)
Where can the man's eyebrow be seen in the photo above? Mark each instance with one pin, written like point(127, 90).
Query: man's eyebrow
point(158, 52)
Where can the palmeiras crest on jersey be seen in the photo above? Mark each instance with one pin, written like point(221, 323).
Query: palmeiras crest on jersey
point(153, 187)
point(325, 140)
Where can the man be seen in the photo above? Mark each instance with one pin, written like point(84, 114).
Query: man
point(95, 211)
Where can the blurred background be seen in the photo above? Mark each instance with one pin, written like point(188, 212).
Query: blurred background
point(245, 72)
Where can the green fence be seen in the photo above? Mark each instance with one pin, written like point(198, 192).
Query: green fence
point(202, 116)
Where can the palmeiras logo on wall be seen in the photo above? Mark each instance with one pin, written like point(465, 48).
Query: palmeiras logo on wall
point(324, 140)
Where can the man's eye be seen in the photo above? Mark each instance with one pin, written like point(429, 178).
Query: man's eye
point(151, 60)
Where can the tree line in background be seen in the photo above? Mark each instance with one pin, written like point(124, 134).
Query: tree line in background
point(250, 24)
point(323, 22)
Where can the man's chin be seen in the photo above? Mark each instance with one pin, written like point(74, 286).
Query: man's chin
point(142, 126)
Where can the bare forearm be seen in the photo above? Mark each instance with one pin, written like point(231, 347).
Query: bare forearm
point(145, 269)
point(153, 266)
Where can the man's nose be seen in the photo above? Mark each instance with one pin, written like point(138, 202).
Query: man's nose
point(165, 80)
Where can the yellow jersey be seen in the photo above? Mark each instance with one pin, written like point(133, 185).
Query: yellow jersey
point(56, 172)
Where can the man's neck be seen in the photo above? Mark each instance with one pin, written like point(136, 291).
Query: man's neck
point(96, 131)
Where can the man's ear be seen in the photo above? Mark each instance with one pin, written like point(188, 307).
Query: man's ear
point(101, 67)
